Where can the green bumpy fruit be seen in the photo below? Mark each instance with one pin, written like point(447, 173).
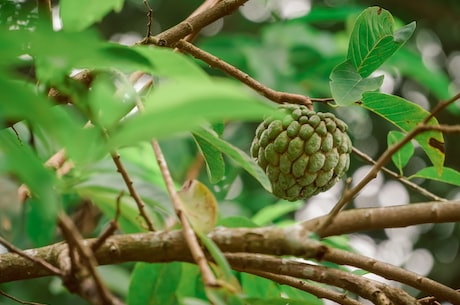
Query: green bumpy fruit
point(303, 153)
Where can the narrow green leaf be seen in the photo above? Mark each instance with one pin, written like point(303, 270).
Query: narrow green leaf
point(402, 156)
point(297, 296)
point(347, 85)
point(406, 115)
point(272, 212)
point(240, 157)
point(259, 287)
point(449, 175)
point(78, 15)
point(373, 40)
point(183, 106)
point(215, 164)
point(154, 284)
point(225, 271)
point(43, 207)
point(237, 222)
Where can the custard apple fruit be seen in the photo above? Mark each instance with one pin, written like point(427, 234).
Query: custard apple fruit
point(303, 153)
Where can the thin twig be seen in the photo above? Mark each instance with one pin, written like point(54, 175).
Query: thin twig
point(318, 291)
point(276, 96)
point(132, 191)
point(441, 106)
point(110, 230)
point(150, 17)
point(189, 235)
point(18, 300)
point(384, 158)
point(400, 178)
point(83, 257)
point(36, 260)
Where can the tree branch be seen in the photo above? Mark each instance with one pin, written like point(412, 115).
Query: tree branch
point(193, 24)
point(171, 246)
point(376, 292)
point(400, 178)
point(276, 96)
point(384, 158)
point(388, 217)
point(320, 292)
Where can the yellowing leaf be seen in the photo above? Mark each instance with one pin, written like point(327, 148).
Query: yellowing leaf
point(200, 206)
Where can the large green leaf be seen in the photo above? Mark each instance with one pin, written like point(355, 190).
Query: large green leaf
point(449, 175)
point(402, 156)
point(43, 207)
point(348, 86)
point(183, 106)
point(154, 284)
point(78, 15)
point(406, 115)
point(373, 40)
point(240, 157)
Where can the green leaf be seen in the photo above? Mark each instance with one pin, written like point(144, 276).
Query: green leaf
point(406, 115)
point(402, 156)
point(259, 287)
point(297, 296)
point(183, 106)
point(237, 222)
point(78, 15)
point(272, 212)
point(43, 207)
point(154, 284)
point(449, 175)
point(347, 85)
point(373, 40)
point(167, 63)
point(240, 157)
point(215, 164)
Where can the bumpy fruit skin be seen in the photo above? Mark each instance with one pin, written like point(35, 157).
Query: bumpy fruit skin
point(303, 153)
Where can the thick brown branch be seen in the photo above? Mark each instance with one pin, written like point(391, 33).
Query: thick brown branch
point(374, 291)
point(357, 220)
point(171, 246)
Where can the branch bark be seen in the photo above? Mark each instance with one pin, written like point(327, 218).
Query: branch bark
point(171, 246)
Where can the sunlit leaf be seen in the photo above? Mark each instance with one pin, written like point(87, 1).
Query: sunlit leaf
point(449, 175)
point(154, 284)
point(348, 86)
point(199, 205)
point(240, 157)
point(78, 15)
point(373, 40)
point(406, 115)
point(403, 155)
point(215, 164)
